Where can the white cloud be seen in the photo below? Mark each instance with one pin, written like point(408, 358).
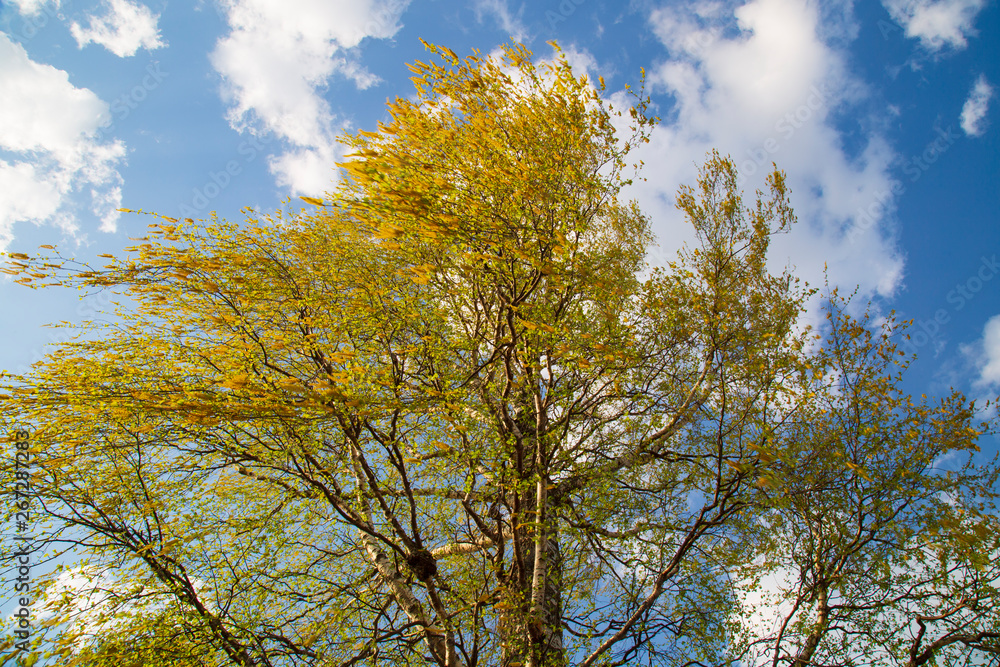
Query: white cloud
point(50, 126)
point(986, 355)
point(33, 7)
point(92, 603)
point(974, 109)
point(509, 23)
point(764, 604)
point(936, 23)
point(275, 62)
point(758, 82)
point(306, 170)
point(24, 195)
point(89, 592)
point(123, 30)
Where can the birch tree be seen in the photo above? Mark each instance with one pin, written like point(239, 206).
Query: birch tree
point(445, 414)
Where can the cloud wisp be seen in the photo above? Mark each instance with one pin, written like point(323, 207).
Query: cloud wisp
point(975, 108)
point(509, 22)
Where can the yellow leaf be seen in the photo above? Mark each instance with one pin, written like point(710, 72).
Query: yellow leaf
point(236, 382)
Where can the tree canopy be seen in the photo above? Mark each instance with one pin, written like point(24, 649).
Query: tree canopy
point(447, 415)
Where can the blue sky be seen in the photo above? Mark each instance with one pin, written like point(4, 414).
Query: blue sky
point(884, 117)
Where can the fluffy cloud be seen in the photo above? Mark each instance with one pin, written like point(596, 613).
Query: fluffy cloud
point(50, 127)
point(306, 170)
point(123, 30)
point(975, 107)
point(275, 62)
point(936, 23)
point(760, 83)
